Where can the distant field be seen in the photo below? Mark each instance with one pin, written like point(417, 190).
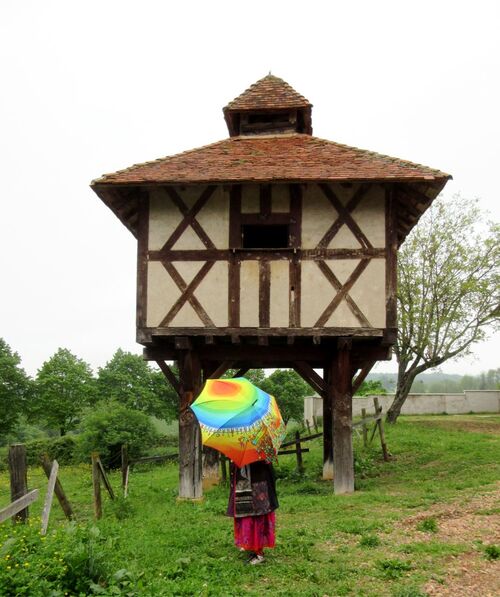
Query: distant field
point(426, 523)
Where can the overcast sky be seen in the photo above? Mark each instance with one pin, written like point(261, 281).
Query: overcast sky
point(91, 87)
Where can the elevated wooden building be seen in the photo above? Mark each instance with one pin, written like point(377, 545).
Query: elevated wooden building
point(271, 248)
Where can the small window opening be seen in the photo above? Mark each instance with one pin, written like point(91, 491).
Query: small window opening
point(264, 237)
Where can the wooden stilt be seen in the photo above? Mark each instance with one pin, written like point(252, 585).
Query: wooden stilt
point(341, 387)
point(328, 427)
point(190, 478)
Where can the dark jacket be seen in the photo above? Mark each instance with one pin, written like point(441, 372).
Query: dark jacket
point(253, 490)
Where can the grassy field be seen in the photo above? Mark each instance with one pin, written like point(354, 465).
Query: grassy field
point(411, 523)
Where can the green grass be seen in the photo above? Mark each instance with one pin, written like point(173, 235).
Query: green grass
point(151, 544)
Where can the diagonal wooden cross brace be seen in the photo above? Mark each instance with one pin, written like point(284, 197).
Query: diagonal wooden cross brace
point(344, 217)
point(189, 218)
point(187, 295)
point(342, 293)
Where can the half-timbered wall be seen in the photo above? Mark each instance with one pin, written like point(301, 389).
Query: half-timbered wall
point(196, 272)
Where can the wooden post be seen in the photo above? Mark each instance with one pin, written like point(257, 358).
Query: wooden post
point(223, 461)
point(190, 461)
point(49, 497)
point(210, 467)
point(308, 427)
point(365, 429)
point(315, 421)
point(18, 478)
point(18, 505)
point(96, 484)
point(105, 480)
point(298, 448)
point(328, 427)
point(61, 496)
point(125, 463)
point(380, 425)
point(341, 388)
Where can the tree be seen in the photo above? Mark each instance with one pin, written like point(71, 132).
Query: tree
point(128, 379)
point(448, 291)
point(14, 388)
point(64, 387)
point(371, 387)
point(289, 389)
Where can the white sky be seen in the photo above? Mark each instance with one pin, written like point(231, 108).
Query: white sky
point(91, 87)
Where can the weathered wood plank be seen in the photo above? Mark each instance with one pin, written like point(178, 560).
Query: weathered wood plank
point(59, 491)
point(18, 505)
point(18, 471)
point(343, 460)
point(49, 497)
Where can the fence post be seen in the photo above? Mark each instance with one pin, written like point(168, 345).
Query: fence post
point(315, 421)
point(18, 478)
point(364, 427)
point(223, 461)
point(300, 465)
point(380, 425)
point(308, 427)
point(125, 464)
point(96, 484)
point(49, 497)
point(61, 496)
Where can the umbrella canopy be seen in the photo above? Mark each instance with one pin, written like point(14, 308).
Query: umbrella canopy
point(240, 420)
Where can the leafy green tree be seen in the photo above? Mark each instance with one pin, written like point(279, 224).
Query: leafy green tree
point(14, 388)
point(112, 424)
point(371, 387)
point(64, 387)
point(129, 380)
point(448, 290)
point(289, 389)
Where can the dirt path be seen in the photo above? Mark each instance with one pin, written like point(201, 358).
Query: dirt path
point(475, 523)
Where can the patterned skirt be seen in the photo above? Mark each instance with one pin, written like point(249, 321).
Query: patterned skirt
point(253, 533)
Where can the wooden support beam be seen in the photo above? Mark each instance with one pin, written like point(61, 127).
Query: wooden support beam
point(361, 376)
point(170, 375)
point(190, 459)
point(341, 390)
point(18, 505)
point(220, 370)
point(310, 376)
point(241, 372)
point(96, 486)
point(328, 427)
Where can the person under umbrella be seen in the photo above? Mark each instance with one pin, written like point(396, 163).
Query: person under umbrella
point(244, 423)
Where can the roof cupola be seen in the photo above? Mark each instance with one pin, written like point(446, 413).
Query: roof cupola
point(269, 106)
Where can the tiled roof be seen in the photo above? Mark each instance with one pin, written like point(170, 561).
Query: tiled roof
point(267, 93)
point(293, 157)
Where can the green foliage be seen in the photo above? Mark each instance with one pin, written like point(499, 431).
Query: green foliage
point(112, 424)
point(410, 591)
point(369, 541)
point(428, 525)
point(289, 389)
point(393, 567)
point(70, 561)
point(371, 387)
point(14, 389)
point(64, 387)
point(129, 380)
point(492, 552)
point(61, 449)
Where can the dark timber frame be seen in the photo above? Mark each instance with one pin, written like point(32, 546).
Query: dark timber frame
point(209, 351)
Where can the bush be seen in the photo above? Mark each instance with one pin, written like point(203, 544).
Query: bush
point(110, 426)
point(61, 449)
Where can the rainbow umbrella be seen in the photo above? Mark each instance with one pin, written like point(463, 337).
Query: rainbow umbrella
point(239, 420)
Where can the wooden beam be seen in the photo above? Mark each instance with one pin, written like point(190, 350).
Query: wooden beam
point(220, 370)
point(361, 376)
point(18, 505)
point(341, 389)
point(61, 496)
point(49, 497)
point(310, 376)
point(170, 375)
point(328, 426)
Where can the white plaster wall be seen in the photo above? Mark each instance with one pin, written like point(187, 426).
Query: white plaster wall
point(470, 401)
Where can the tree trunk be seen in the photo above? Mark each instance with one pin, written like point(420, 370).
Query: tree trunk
point(405, 381)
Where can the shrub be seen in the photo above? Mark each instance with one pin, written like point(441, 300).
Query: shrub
point(492, 552)
point(369, 541)
point(428, 525)
point(61, 449)
point(110, 426)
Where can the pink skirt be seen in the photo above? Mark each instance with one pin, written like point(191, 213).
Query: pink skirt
point(253, 533)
